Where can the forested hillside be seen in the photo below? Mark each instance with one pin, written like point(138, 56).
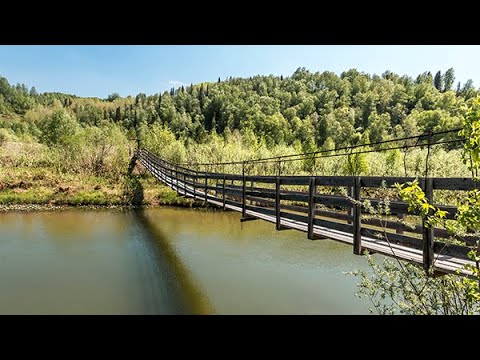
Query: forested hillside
point(306, 107)
point(232, 119)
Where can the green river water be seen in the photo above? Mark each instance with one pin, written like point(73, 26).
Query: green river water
point(169, 261)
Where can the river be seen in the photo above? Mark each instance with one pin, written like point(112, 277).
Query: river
point(169, 261)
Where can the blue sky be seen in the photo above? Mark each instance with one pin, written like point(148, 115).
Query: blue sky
point(101, 70)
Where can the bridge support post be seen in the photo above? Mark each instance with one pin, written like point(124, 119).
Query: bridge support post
point(277, 202)
point(195, 186)
point(244, 208)
point(223, 191)
point(205, 188)
point(357, 213)
point(176, 178)
point(351, 210)
point(428, 237)
point(311, 207)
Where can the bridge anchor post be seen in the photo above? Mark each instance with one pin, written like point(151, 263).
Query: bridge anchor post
point(357, 221)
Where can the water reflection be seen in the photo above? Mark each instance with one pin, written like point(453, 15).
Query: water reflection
point(79, 262)
point(168, 261)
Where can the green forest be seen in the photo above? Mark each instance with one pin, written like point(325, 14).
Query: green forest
point(63, 149)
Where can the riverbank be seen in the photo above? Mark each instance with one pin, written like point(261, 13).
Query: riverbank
point(42, 189)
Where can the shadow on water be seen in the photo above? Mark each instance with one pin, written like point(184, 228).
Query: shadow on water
point(178, 288)
point(133, 191)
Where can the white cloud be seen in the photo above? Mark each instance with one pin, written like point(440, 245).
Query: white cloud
point(176, 83)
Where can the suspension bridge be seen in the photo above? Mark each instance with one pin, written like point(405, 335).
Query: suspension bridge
point(306, 203)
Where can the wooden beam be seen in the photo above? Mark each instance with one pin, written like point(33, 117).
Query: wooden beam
point(357, 223)
point(244, 185)
point(195, 186)
point(311, 206)
point(277, 202)
point(428, 237)
point(223, 192)
point(205, 189)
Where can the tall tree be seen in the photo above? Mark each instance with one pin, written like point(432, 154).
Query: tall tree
point(438, 81)
point(468, 90)
point(449, 79)
point(459, 88)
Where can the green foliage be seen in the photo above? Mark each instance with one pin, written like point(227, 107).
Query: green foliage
point(356, 164)
point(471, 133)
point(396, 286)
point(414, 196)
point(57, 128)
point(405, 288)
point(306, 105)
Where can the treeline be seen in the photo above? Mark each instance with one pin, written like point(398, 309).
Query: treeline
point(306, 110)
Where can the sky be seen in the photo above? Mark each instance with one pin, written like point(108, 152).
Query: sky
point(101, 70)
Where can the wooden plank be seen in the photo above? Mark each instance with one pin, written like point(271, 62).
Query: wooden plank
point(333, 215)
point(267, 195)
point(262, 179)
point(293, 196)
point(233, 202)
point(261, 210)
point(320, 180)
point(357, 223)
point(334, 225)
point(457, 251)
point(295, 180)
point(453, 183)
point(376, 181)
point(393, 238)
point(311, 207)
point(334, 180)
point(399, 207)
point(300, 218)
point(296, 208)
point(333, 200)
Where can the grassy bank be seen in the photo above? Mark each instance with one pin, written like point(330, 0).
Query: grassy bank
point(49, 188)
point(33, 176)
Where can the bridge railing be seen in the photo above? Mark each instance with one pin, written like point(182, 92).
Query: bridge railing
point(298, 199)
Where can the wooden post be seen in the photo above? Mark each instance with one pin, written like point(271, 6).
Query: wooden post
point(244, 209)
point(428, 239)
point(357, 223)
point(205, 188)
point(352, 195)
point(182, 185)
point(277, 202)
point(251, 192)
point(176, 177)
point(223, 191)
point(311, 206)
point(195, 186)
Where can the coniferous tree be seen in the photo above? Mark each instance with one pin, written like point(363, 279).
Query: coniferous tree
point(438, 81)
point(449, 79)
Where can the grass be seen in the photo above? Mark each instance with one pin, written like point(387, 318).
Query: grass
point(45, 186)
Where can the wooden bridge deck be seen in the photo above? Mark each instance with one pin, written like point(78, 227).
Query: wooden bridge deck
point(444, 258)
